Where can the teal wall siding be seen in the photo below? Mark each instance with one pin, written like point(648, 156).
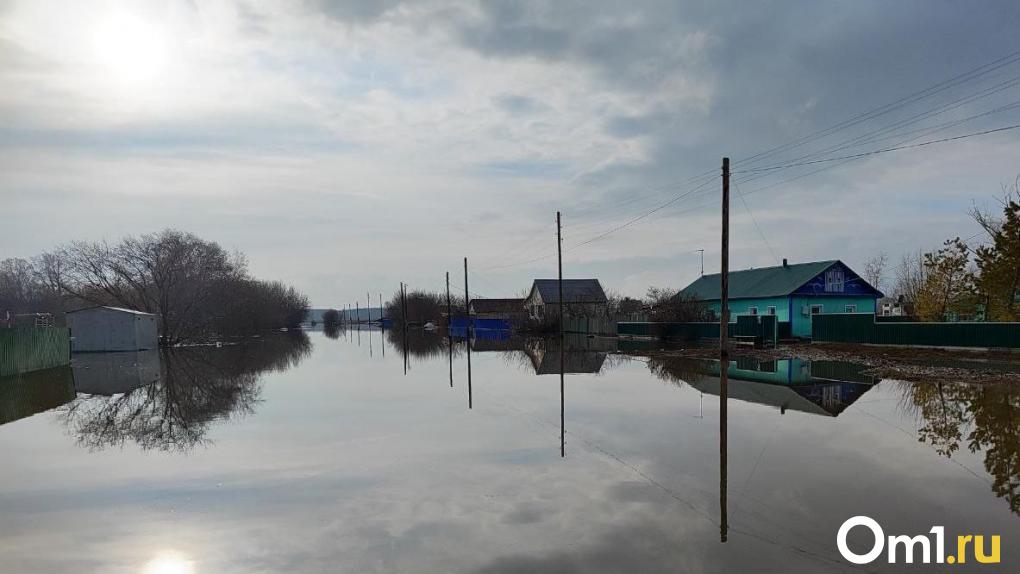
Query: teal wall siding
point(741, 306)
point(801, 324)
point(830, 304)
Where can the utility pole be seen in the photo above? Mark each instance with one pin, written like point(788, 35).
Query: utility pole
point(724, 352)
point(403, 305)
point(559, 257)
point(357, 314)
point(467, 339)
point(702, 251)
point(382, 321)
point(368, 305)
point(724, 277)
point(467, 295)
point(449, 306)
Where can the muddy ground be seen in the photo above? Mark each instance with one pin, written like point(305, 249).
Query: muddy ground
point(907, 364)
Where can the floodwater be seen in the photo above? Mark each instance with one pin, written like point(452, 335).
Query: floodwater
point(308, 453)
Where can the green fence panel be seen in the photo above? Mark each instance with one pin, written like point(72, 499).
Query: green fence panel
point(862, 328)
point(25, 349)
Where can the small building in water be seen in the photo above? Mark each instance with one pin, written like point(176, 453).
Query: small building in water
point(792, 292)
point(99, 329)
point(581, 298)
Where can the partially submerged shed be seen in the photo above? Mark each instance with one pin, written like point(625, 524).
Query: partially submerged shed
point(99, 329)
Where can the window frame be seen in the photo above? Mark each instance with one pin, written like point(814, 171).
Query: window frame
point(771, 310)
point(849, 308)
point(821, 309)
point(752, 311)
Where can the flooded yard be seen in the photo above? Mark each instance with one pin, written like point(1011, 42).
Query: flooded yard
point(366, 451)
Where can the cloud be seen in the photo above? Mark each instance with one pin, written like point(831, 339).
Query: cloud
point(446, 110)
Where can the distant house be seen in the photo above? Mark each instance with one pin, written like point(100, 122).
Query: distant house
point(98, 329)
point(496, 308)
point(792, 292)
point(581, 297)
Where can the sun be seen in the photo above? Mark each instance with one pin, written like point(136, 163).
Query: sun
point(132, 50)
point(169, 563)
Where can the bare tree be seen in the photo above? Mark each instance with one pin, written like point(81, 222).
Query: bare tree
point(992, 220)
point(874, 269)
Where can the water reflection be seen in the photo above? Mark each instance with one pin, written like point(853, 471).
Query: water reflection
point(823, 388)
point(24, 395)
point(985, 418)
point(168, 401)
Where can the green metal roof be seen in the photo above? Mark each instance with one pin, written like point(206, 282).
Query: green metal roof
point(757, 283)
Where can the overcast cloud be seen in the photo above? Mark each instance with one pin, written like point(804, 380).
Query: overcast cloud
point(346, 146)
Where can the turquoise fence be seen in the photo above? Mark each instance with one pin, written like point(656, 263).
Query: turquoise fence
point(25, 349)
point(862, 328)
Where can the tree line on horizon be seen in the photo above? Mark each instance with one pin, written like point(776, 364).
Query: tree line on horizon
point(198, 290)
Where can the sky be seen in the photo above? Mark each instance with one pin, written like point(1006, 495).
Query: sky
point(346, 146)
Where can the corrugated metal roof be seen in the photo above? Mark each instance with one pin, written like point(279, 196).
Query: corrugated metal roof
point(777, 281)
point(120, 309)
point(574, 290)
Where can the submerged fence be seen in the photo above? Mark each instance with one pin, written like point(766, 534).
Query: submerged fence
point(25, 349)
point(863, 328)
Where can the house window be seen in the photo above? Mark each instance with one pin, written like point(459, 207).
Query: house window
point(850, 309)
point(772, 311)
point(816, 309)
point(834, 281)
point(752, 310)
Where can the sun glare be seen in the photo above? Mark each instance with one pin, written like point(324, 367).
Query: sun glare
point(133, 50)
point(169, 564)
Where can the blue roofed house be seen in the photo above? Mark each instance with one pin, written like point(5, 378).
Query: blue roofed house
point(791, 292)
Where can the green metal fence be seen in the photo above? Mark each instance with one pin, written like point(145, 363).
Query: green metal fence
point(862, 328)
point(25, 349)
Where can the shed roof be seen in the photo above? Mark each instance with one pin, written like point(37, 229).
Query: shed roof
point(574, 290)
point(777, 281)
point(109, 308)
point(497, 305)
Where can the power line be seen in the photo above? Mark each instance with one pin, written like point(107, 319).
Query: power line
point(755, 221)
point(884, 109)
point(878, 151)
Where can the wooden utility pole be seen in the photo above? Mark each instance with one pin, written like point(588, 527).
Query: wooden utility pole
point(467, 296)
point(449, 305)
point(724, 277)
point(357, 313)
point(559, 257)
point(368, 305)
point(702, 251)
point(382, 321)
point(403, 305)
point(724, 351)
point(467, 340)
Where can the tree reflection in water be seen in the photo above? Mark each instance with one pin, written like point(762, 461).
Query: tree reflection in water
point(984, 417)
point(196, 386)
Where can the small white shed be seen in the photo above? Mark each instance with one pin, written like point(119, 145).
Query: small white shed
point(98, 329)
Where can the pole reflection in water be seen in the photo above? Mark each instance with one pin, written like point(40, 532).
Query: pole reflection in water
point(563, 432)
point(724, 367)
point(449, 346)
point(467, 343)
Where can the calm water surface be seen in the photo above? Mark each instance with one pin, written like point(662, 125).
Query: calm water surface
point(316, 454)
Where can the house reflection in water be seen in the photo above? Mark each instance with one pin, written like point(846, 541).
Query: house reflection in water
point(580, 355)
point(823, 388)
point(111, 374)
